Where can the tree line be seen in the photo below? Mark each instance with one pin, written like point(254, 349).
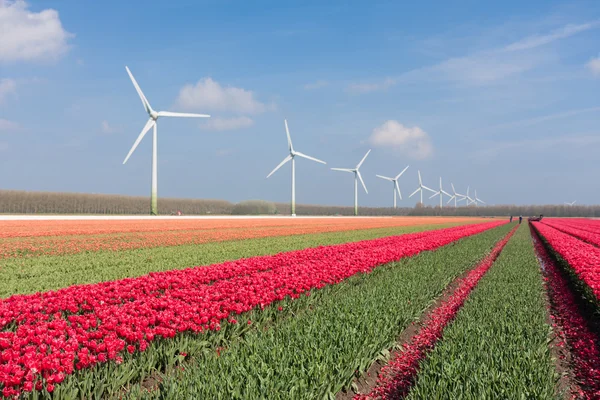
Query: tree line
point(25, 202)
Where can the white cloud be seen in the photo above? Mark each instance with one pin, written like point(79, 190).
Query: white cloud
point(413, 142)
point(561, 33)
point(7, 87)
point(316, 85)
point(6, 125)
point(227, 124)
point(209, 95)
point(594, 66)
point(30, 36)
point(107, 128)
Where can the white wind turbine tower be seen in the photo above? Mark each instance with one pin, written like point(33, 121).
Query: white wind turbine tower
point(420, 188)
point(395, 182)
point(291, 156)
point(152, 121)
point(455, 196)
point(356, 177)
point(441, 193)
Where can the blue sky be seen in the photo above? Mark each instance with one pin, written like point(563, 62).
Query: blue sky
point(501, 96)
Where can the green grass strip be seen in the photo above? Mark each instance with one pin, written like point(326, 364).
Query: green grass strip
point(38, 274)
point(315, 352)
point(497, 347)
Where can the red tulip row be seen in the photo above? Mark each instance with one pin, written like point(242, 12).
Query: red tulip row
point(580, 230)
point(585, 351)
point(48, 335)
point(584, 258)
point(397, 377)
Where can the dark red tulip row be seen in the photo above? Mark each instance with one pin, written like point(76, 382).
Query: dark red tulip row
point(584, 258)
point(583, 345)
point(581, 229)
point(48, 335)
point(397, 376)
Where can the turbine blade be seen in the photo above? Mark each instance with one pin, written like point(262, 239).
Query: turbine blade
point(451, 198)
point(185, 115)
point(361, 180)
point(431, 190)
point(384, 177)
point(289, 138)
point(446, 193)
point(343, 169)
point(403, 171)
point(415, 192)
point(363, 160)
point(398, 189)
point(309, 157)
point(288, 158)
point(147, 127)
point(140, 93)
point(433, 195)
point(453, 190)
point(420, 181)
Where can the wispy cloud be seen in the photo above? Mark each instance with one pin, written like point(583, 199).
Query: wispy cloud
point(544, 118)
point(483, 67)
point(561, 33)
point(316, 85)
point(227, 124)
point(8, 126)
point(594, 66)
point(412, 142)
point(30, 36)
point(7, 87)
point(107, 128)
point(490, 150)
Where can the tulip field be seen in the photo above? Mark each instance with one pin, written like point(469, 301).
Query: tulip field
point(304, 308)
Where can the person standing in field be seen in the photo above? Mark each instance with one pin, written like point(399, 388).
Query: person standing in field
point(511, 218)
point(520, 218)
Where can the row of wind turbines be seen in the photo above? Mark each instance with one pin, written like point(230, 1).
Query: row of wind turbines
point(457, 197)
point(152, 123)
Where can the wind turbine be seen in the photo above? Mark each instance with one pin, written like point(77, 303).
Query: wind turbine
point(420, 188)
point(152, 121)
point(441, 193)
point(570, 204)
point(356, 177)
point(476, 199)
point(395, 181)
point(455, 196)
point(291, 157)
point(468, 198)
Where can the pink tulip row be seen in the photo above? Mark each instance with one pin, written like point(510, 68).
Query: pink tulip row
point(397, 376)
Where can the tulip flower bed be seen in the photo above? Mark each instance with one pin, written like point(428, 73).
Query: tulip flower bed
point(316, 351)
point(579, 230)
point(581, 257)
point(39, 274)
point(21, 239)
point(574, 329)
point(497, 346)
point(49, 335)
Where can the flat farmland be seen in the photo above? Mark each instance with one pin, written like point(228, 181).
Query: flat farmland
point(374, 308)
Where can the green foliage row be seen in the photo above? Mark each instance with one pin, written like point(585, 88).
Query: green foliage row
point(30, 275)
point(497, 347)
point(316, 345)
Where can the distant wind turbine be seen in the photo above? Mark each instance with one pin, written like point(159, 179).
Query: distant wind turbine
point(468, 198)
point(455, 196)
point(420, 188)
point(441, 193)
point(395, 182)
point(291, 157)
point(475, 200)
point(152, 122)
point(356, 177)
